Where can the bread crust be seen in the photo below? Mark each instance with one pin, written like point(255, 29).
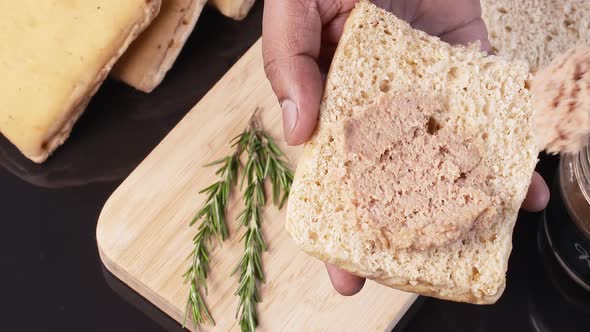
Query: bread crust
point(153, 54)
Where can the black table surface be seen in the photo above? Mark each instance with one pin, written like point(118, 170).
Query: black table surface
point(52, 277)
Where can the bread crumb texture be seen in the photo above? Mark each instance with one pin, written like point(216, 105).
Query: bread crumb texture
point(536, 30)
point(420, 162)
point(561, 97)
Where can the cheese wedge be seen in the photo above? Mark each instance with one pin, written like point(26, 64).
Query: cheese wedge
point(150, 57)
point(54, 56)
point(236, 9)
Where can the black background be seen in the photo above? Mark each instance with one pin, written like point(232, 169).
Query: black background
point(52, 278)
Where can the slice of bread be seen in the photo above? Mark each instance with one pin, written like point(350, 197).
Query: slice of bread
point(420, 162)
point(536, 30)
point(155, 51)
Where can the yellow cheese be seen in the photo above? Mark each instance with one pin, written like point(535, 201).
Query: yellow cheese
point(154, 52)
point(53, 56)
point(236, 9)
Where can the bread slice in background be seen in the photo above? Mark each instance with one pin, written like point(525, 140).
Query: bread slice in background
point(54, 56)
point(408, 121)
point(536, 30)
point(151, 56)
point(236, 9)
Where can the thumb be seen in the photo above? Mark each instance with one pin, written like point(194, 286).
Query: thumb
point(291, 41)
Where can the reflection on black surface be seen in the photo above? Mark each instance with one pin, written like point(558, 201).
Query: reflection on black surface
point(110, 139)
point(52, 279)
point(556, 303)
point(140, 303)
point(122, 125)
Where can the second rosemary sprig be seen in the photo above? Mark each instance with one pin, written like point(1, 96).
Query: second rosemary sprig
point(264, 161)
point(213, 224)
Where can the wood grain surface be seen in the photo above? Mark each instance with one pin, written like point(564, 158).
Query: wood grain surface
point(144, 239)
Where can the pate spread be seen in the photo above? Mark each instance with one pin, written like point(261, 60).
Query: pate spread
point(416, 183)
point(561, 97)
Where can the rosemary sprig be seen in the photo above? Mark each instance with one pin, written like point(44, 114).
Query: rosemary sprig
point(264, 162)
point(213, 224)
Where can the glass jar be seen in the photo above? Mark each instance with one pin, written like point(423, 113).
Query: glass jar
point(567, 217)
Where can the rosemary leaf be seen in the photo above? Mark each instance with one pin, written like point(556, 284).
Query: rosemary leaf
point(211, 188)
point(216, 162)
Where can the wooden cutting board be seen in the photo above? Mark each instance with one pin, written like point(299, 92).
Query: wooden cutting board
point(144, 240)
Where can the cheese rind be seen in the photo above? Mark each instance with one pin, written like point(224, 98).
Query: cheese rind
point(56, 55)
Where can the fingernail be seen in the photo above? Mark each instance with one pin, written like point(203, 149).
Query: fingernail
point(290, 115)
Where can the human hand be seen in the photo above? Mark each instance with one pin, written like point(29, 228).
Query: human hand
point(299, 39)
